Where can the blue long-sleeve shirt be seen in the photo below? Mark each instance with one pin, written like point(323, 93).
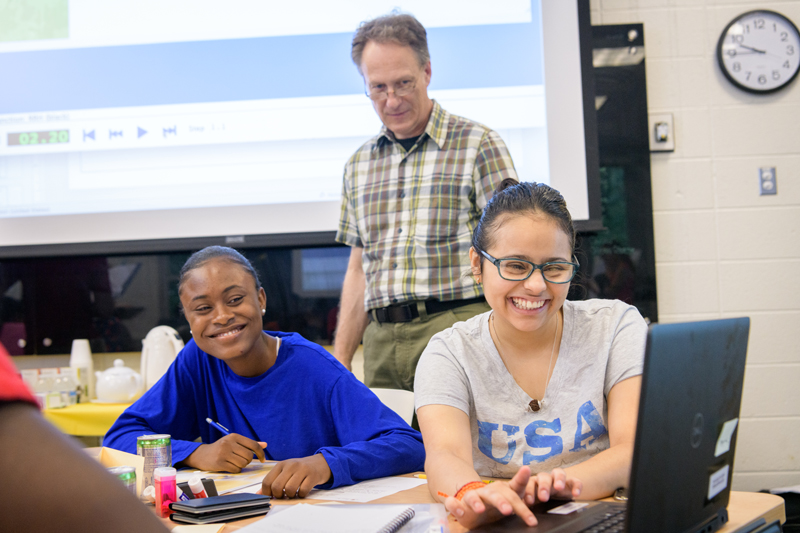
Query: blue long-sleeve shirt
point(307, 403)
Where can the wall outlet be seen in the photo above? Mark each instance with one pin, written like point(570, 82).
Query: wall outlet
point(767, 181)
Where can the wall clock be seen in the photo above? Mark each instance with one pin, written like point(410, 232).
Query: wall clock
point(759, 51)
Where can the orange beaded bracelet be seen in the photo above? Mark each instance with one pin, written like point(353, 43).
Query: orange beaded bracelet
point(472, 485)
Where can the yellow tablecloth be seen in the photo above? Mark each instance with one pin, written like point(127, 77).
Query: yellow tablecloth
point(85, 419)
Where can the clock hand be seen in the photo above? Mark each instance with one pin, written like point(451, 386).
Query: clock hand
point(753, 49)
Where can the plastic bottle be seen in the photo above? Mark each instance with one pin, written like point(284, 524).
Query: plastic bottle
point(46, 388)
point(80, 358)
point(164, 479)
point(30, 376)
point(61, 386)
point(68, 385)
point(44, 381)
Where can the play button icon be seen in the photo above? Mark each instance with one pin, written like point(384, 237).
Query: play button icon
point(140, 132)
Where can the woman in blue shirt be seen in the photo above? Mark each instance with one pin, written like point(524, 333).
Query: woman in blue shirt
point(282, 397)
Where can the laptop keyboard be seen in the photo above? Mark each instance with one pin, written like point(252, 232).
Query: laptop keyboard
point(613, 522)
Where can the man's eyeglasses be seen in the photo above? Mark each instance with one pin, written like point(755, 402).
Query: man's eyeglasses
point(402, 88)
point(519, 270)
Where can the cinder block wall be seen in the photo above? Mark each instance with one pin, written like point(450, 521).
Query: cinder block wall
point(721, 249)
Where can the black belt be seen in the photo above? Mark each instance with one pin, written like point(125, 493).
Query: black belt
point(409, 311)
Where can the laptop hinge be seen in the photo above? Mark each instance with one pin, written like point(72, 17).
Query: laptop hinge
point(714, 523)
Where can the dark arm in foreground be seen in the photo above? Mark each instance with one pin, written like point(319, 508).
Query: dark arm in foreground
point(50, 484)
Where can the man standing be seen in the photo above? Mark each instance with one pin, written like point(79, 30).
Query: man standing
point(411, 197)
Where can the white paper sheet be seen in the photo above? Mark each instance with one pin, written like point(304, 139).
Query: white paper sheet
point(724, 440)
point(718, 481)
point(783, 490)
point(248, 480)
point(255, 467)
point(366, 491)
point(303, 518)
point(203, 528)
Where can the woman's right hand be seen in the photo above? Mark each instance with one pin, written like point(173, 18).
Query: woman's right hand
point(494, 501)
point(556, 484)
point(231, 453)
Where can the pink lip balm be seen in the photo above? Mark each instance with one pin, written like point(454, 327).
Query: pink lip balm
point(165, 478)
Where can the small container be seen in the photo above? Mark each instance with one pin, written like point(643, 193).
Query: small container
point(166, 489)
point(45, 390)
point(45, 382)
point(67, 385)
point(41, 399)
point(197, 488)
point(30, 376)
point(82, 378)
point(157, 452)
point(80, 358)
point(126, 474)
point(149, 494)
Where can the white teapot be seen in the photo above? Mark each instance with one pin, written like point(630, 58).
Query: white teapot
point(119, 384)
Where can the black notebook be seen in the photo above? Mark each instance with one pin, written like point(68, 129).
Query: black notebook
point(219, 508)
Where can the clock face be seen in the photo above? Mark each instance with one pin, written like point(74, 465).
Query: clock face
point(759, 51)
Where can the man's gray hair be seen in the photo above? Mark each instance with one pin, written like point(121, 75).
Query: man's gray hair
point(397, 28)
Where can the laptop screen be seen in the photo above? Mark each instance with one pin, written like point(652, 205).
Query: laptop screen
point(686, 434)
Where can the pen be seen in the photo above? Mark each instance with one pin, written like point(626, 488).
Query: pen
point(234, 489)
point(423, 476)
point(225, 431)
point(219, 427)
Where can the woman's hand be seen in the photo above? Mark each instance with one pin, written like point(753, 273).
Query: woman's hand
point(294, 478)
point(501, 498)
point(493, 501)
point(231, 453)
point(556, 484)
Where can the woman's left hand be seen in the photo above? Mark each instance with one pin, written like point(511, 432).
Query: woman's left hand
point(556, 484)
point(294, 478)
point(502, 498)
point(493, 501)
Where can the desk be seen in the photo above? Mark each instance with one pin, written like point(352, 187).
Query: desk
point(85, 419)
point(744, 508)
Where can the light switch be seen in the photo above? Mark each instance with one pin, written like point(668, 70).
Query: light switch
point(661, 132)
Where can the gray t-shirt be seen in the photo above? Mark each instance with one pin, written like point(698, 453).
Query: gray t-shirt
point(602, 344)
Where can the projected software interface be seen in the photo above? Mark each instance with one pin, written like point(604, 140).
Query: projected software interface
point(108, 107)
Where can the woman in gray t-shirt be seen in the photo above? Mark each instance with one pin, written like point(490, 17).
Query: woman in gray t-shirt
point(540, 390)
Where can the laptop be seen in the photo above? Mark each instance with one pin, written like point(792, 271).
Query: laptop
point(685, 438)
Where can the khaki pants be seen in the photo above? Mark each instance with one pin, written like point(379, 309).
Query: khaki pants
point(392, 350)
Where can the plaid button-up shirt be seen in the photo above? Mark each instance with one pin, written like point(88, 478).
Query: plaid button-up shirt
point(414, 212)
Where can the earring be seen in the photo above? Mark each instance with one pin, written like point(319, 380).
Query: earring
point(263, 311)
point(190, 332)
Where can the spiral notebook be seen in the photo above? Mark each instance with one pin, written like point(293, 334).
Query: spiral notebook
point(344, 518)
